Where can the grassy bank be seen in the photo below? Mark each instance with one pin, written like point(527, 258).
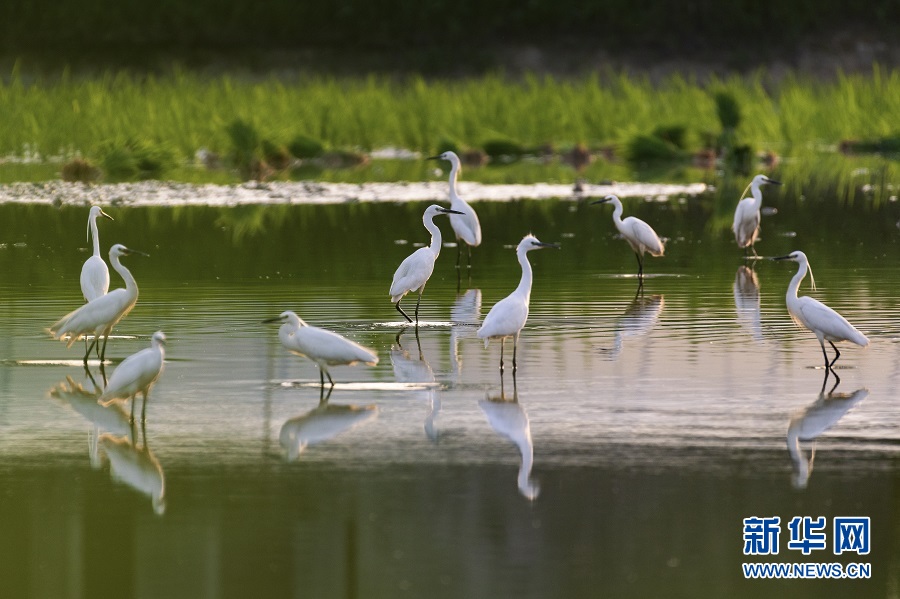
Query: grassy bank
point(185, 112)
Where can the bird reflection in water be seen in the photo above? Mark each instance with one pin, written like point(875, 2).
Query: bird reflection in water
point(322, 423)
point(810, 423)
point(508, 418)
point(136, 466)
point(746, 301)
point(466, 315)
point(409, 369)
point(83, 397)
point(639, 318)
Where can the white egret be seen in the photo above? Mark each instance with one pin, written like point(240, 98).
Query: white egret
point(94, 272)
point(508, 316)
point(746, 215)
point(827, 324)
point(465, 225)
point(98, 317)
point(416, 269)
point(639, 235)
point(137, 374)
point(319, 345)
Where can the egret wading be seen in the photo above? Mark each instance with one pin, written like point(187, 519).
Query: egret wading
point(319, 345)
point(416, 269)
point(508, 316)
point(639, 235)
point(746, 215)
point(827, 324)
point(137, 374)
point(465, 225)
point(94, 273)
point(99, 316)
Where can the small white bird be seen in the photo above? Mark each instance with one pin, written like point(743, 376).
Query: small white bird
point(321, 346)
point(94, 272)
point(746, 215)
point(827, 324)
point(137, 374)
point(416, 269)
point(465, 225)
point(639, 235)
point(508, 316)
point(99, 316)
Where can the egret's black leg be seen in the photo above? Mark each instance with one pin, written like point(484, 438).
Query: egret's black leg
point(103, 353)
point(321, 379)
point(469, 262)
point(143, 410)
point(405, 315)
point(418, 301)
point(640, 265)
point(837, 354)
point(397, 338)
point(328, 374)
point(89, 348)
point(458, 252)
point(133, 401)
point(502, 343)
point(515, 347)
point(825, 353)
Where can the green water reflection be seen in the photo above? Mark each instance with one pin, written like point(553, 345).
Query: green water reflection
point(645, 428)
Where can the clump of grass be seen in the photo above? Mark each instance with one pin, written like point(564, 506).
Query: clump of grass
point(135, 158)
point(275, 154)
point(504, 149)
point(303, 146)
point(650, 148)
point(80, 170)
point(673, 134)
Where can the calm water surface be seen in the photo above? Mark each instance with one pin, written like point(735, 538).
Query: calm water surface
point(640, 430)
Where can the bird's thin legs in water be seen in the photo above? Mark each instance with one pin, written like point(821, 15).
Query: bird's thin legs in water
point(103, 374)
point(399, 309)
point(515, 347)
point(469, 261)
point(837, 354)
point(418, 301)
point(143, 411)
point(321, 379)
point(837, 381)
point(502, 343)
point(328, 374)
point(324, 397)
point(458, 253)
point(88, 352)
point(640, 266)
point(103, 352)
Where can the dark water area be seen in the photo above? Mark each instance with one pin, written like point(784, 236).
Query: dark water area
point(639, 432)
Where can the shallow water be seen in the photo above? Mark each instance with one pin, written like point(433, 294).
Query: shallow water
point(639, 431)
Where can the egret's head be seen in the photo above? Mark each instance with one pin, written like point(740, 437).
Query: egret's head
point(530, 242)
point(607, 199)
point(796, 256)
point(435, 210)
point(119, 250)
point(159, 338)
point(764, 180)
point(448, 155)
point(284, 318)
point(97, 211)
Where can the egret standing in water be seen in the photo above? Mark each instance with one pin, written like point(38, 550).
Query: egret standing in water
point(465, 225)
point(321, 346)
point(416, 269)
point(98, 317)
point(639, 235)
point(508, 316)
point(137, 374)
point(94, 273)
point(746, 215)
point(827, 324)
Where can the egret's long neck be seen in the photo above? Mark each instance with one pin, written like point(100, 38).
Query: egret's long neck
point(526, 447)
point(435, 235)
point(454, 173)
point(801, 463)
point(95, 237)
point(794, 287)
point(525, 284)
point(617, 213)
point(756, 192)
point(130, 283)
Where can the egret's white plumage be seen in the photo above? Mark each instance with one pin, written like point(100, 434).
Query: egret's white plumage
point(416, 269)
point(508, 316)
point(465, 225)
point(746, 215)
point(98, 317)
point(137, 374)
point(321, 346)
point(809, 424)
point(94, 272)
point(639, 235)
point(827, 324)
